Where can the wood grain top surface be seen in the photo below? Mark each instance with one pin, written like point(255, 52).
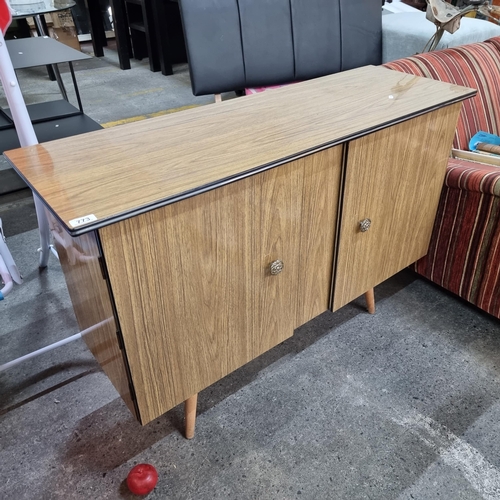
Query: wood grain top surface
point(118, 172)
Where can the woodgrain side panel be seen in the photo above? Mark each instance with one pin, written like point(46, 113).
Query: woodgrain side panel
point(91, 302)
point(193, 287)
point(144, 162)
point(317, 241)
point(393, 177)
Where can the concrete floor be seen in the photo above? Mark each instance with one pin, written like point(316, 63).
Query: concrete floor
point(401, 405)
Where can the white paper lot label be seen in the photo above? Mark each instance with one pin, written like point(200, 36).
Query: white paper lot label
point(82, 220)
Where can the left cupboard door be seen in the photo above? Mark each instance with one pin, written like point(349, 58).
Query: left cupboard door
point(206, 284)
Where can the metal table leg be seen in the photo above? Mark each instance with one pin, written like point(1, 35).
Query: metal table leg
point(57, 74)
point(42, 30)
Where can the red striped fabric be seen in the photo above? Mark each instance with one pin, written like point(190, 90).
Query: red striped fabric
point(475, 65)
point(464, 253)
point(463, 174)
point(495, 41)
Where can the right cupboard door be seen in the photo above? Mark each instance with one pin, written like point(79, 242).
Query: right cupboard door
point(393, 179)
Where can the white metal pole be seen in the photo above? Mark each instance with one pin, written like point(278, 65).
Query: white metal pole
point(8, 260)
point(59, 343)
point(6, 278)
point(16, 361)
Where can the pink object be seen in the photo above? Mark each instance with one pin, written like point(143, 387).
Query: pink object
point(258, 90)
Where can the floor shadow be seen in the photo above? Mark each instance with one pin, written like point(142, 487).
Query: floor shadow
point(35, 379)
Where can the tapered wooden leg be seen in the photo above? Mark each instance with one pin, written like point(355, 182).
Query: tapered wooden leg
point(190, 415)
point(370, 300)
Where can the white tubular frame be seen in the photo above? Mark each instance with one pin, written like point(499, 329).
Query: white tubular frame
point(27, 137)
point(6, 278)
point(14, 362)
point(8, 268)
point(76, 336)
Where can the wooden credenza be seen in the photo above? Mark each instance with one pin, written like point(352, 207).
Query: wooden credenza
point(194, 242)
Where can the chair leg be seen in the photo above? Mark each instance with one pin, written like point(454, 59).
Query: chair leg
point(190, 415)
point(370, 300)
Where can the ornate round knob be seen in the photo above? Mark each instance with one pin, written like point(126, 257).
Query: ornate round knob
point(276, 267)
point(364, 225)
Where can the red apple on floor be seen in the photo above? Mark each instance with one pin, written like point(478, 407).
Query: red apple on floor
point(142, 479)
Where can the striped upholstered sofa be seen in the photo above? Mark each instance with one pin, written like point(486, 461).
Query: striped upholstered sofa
point(464, 253)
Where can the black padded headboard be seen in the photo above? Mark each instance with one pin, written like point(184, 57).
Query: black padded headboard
point(235, 44)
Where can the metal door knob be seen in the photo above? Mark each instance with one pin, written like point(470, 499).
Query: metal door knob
point(364, 225)
point(276, 267)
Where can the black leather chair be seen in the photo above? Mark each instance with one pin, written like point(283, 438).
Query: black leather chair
point(236, 44)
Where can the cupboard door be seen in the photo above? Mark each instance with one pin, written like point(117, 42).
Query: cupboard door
point(393, 178)
point(79, 258)
point(320, 201)
point(192, 281)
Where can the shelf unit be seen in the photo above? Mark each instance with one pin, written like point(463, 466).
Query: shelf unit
point(53, 119)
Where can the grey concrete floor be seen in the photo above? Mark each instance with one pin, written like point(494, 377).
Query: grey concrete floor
point(404, 404)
